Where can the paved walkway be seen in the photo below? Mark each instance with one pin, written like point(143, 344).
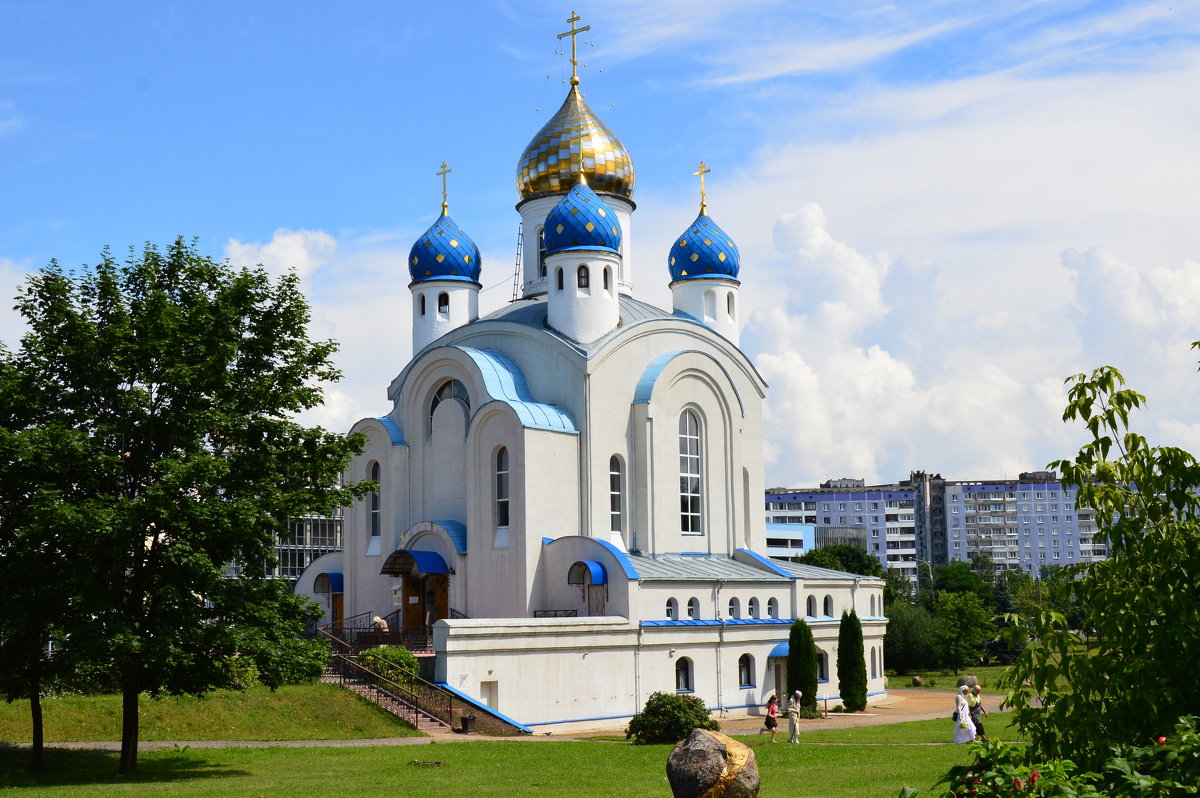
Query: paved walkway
point(897, 706)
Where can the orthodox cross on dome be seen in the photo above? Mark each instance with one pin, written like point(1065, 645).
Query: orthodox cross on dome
point(573, 32)
point(445, 205)
point(703, 171)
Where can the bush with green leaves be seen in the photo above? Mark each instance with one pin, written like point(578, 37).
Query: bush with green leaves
point(396, 663)
point(1169, 765)
point(668, 718)
point(802, 668)
point(1139, 605)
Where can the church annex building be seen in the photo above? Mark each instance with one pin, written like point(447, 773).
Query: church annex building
point(571, 488)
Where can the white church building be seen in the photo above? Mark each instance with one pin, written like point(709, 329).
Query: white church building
point(570, 489)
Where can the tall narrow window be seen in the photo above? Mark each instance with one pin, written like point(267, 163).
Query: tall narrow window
point(693, 609)
point(560, 279)
point(541, 244)
point(422, 304)
point(583, 277)
point(746, 670)
point(606, 288)
point(683, 675)
point(691, 518)
point(374, 519)
point(616, 509)
point(502, 487)
point(443, 303)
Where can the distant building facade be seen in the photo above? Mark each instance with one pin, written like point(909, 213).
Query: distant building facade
point(306, 539)
point(925, 521)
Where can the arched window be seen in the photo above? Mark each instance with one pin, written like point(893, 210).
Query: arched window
point(606, 288)
point(422, 303)
point(560, 279)
point(541, 255)
point(616, 502)
point(450, 389)
point(694, 609)
point(731, 307)
point(710, 305)
point(443, 303)
point(583, 277)
point(811, 607)
point(753, 608)
point(872, 662)
point(683, 675)
point(772, 608)
point(691, 510)
point(746, 670)
point(672, 610)
point(829, 606)
point(822, 666)
point(502, 486)
point(872, 606)
point(735, 608)
point(374, 516)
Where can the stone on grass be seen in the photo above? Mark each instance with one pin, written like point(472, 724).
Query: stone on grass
point(710, 764)
point(917, 681)
point(969, 681)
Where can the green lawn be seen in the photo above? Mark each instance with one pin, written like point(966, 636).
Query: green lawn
point(301, 712)
point(870, 761)
point(946, 679)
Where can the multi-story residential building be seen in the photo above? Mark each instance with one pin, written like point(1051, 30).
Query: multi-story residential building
point(926, 520)
point(306, 539)
point(879, 517)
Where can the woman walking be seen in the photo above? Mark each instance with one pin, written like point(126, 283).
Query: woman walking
point(975, 706)
point(794, 717)
point(771, 722)
point(964, 729)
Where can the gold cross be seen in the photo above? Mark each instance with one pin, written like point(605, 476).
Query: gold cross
point(445, 205)
point(573, 32)
point(703, 171)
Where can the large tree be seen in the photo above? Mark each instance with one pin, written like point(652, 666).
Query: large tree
point(1142, 603)
point(909, 642)
point(802, 666)
point(851, 663)
point(183, 376)
point(846, 557)
point(962, 627)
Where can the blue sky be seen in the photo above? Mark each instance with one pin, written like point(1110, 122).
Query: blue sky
point(944, 208)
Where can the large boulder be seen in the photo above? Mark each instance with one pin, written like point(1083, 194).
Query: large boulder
point(969, 681)
point(712, 765)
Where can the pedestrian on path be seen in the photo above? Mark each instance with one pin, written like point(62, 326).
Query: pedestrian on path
point(794, 718)
point(975, 705)
point(964, 729)
point(771, 722)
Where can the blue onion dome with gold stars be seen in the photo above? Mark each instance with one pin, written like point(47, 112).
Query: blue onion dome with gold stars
point(444, 252)
point(704, 251)
point(574, 140)
point(581, 220)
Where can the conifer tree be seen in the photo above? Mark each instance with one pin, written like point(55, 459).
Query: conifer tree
point(802, 664)
point(851, 664)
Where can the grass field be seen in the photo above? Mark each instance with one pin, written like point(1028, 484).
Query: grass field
point(301, 712)
point(945, 679)
point(864, 762)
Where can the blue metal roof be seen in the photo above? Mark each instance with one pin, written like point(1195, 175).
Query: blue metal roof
point(504, 382)
point(581, 220)
point(393, 430)
point(444, 252)
point(599, 576)
point(336, 581)
point(457, 533)
point(645, 386)
point(423, 562)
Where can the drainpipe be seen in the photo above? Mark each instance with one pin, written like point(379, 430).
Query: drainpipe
point(720, 647)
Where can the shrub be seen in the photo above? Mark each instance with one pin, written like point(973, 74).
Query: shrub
point(668, 718)
point(802, 664)
point(396, 663)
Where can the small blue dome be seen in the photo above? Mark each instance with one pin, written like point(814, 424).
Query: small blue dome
point(704, 250)
point(581, 220)
point(444, 252)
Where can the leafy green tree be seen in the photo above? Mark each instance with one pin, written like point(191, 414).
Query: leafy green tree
point(848, 557)
point(897, 588)
point(851, 663)
point(1142, 601)
point(668, 718)
point(960, 577)
point(802, 666)
point(820, 558)
point(908, 644)
point(962, 628)
point(182, 376)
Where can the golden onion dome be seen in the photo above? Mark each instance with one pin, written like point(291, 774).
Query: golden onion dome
point(551, 162)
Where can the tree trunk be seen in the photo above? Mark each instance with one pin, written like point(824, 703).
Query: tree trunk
point(35, 714)
point(129, 730)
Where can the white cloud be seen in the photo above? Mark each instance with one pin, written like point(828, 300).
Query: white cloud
point(302, 251)
point(12, 275)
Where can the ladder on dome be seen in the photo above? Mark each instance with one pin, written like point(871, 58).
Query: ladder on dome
point(517, 266)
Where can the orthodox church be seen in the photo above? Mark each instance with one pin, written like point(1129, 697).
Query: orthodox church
point(570, 489)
